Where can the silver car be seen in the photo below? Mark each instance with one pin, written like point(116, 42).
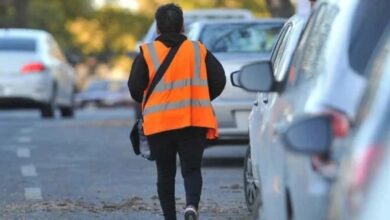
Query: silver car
point(34, 73)
point(360, 190)
point(105, 93)
point(280, 59)
point(236, 43)
point(326, 77)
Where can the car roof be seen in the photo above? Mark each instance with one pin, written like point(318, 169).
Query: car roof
point(241, 21)
point(297, 18)
point(217, 12)
point(29, 33)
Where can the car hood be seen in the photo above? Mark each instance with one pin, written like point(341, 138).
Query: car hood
point(241, 57)
point(234, 62)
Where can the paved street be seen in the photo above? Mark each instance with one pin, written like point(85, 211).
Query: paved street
point(84, 168)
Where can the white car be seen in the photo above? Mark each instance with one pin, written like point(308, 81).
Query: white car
point(360, 190)
point(326, 77)
point(281, 59)
point(236, 43)
point(34, 73)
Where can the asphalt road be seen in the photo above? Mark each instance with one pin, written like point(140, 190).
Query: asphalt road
point(84, 168)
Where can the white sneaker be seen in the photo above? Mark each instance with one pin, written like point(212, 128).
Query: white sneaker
point(190, 213)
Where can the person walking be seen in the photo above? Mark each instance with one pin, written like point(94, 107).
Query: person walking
point(178, 117)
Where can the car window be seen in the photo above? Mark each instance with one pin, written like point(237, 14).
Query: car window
point(17, 44)
point(97, 86)
point(376, 70)
point(280, 53)
point(279, 41)
point(55, 50)
point(370, 21)
point(115, 86)
point(240, 38)
point(307, 60)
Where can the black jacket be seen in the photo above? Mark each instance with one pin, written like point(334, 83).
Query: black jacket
point(139, 75)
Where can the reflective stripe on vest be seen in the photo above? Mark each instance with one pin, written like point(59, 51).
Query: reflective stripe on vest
point(163, 86)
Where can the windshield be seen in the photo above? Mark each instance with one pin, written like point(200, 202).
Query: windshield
point(17, 44)
point(240, 38)
point(193, 17)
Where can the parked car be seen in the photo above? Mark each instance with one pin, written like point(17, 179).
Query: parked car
point(327, 67)
point(34, 73)
point(202, 14)
point(193, 16)
point(105, 93)
point(361, 187)
point(236, 43)
point(280, 59)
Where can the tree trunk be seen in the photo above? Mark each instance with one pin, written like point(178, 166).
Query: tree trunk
point(280, 8)
point(20, 19)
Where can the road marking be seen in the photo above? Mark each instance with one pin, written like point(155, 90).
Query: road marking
point(24, 140)
point(23, 152)
point(29, 170)
point(26, 130)
point(33, 193)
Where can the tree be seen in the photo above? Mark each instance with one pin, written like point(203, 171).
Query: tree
point(54, 15)
point(20, 7)
point(6, 11)
point(258, 7)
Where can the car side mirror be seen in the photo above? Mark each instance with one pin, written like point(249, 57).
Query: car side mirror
point(234, 79)
point(310, 135)
point(255, 77)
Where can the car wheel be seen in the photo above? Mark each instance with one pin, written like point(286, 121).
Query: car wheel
point(48, 110)
point(252, 193)
point(68, 111)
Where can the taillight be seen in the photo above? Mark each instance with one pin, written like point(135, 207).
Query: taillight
point(364, 165)
point(33, 67)
point(340, 123)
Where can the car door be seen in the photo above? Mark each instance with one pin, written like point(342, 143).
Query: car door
point(260, 105)
point(276, 164)
point(63, 73)
point(264, 168)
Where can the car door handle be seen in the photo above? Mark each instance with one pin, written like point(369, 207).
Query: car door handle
point(265, 101)
point(256, 103)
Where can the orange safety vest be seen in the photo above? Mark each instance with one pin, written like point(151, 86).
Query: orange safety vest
point(181, 98)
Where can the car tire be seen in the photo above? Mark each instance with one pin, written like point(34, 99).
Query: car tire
point(48, 110)
point(68, 111)
point(251, 191)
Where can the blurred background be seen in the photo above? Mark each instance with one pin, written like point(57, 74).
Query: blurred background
point(310, 144)
point(95, 35)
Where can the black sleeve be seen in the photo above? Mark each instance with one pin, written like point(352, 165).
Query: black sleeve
point(215, 76)
point(139, 78)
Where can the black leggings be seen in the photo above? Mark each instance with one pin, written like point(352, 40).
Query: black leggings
point(189, 143)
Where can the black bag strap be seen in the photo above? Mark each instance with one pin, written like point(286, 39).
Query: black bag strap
point(161, 70)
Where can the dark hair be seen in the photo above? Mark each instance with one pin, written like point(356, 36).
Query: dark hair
point(169, 18)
